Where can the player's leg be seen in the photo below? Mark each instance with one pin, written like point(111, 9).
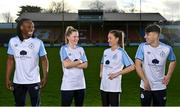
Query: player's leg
point(79, 97)
point(114, 98)
point(145, 97)
point(66, 98)
point(20, 94)
point(159, 98)
point(105, 98)
point(34, 92)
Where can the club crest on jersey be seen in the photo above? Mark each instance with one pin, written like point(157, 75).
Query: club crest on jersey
point(16, 45)
point(69, 54)
point(31, 46)
point(162, 54)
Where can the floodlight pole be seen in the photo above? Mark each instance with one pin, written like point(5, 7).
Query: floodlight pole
point(140, 10)
point(140, 23)
point(63, 19)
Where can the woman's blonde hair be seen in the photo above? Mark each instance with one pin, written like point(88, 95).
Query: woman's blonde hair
point(69, 31)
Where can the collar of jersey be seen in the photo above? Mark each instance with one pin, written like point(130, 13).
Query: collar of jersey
point(70, 47)
point(25, 40)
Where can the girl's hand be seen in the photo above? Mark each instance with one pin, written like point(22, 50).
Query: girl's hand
point(113, 75)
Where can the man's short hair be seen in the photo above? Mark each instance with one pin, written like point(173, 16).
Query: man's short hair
point(153, 28)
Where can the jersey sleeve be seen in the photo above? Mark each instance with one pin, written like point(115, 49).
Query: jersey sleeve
point(127, 61)
point(63, 54)
point(140, 52)
point(102, 59)
point(171, 56)
point(10, 49)
point(83, 56)
point(42, 50)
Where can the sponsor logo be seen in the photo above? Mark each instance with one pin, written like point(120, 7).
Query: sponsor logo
point(155, 61)
point(107, 62)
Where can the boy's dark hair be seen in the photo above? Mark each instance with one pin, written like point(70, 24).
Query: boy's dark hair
point(18, 28)
point(153, 28)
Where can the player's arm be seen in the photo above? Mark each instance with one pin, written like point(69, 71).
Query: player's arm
point(138, 65)
point(9, 67)
point(126, 60)
point(45, 68)
point(172, 65)
point(171, 68)
point(139, 69)
point(67, 63)
point(122, 72)
point(83, 65)
point(140, 72)
point(168, 76)
point(127, 70)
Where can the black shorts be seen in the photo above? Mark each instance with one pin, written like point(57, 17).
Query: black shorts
point(68, 96)
point(20, 93)
point(157, 98)
point(110, 98)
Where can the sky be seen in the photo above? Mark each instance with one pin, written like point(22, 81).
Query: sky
point(170, 9)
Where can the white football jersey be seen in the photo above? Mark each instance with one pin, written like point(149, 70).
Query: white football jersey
point(73, 78)
point(26, 54)
point(113, 61)
point(154, 62)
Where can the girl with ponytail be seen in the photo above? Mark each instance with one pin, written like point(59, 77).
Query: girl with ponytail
point(73, 60)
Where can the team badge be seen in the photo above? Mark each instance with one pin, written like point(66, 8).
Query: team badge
point(162, 54)
point(16, 45)
point(69, 54)
point(31, 46)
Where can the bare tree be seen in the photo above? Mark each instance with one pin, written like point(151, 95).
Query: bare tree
point(97, 5)
point(57, 7)
point(114, 10)
point(7, 17)
point(130, 7)
point(29, 8)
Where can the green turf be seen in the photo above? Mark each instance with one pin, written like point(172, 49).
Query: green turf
point(50, 95)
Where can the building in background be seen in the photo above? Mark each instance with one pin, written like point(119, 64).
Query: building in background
point(93, 25)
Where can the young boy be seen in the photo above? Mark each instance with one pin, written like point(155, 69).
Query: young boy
point(150, 65)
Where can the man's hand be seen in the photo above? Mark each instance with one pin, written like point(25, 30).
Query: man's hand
point(9, 85)
point(146, 85)
point(43, 82)
point(166, 80)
